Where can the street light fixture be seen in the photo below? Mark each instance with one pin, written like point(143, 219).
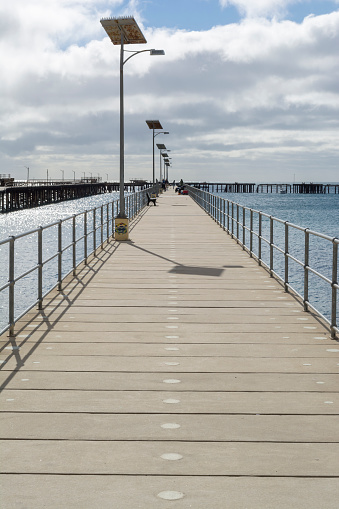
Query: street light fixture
point(124, 30)
point(155, 125)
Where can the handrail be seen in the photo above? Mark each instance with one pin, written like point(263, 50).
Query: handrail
point(72, 250)
point(227, 214)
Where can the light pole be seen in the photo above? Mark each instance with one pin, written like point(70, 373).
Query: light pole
point(155, 125)
point(161, 147)
point(63, 175)
point(167, 164)
point(47, 175)
point(73, 175)
point(124, 30)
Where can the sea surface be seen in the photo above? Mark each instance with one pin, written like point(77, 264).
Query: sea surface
point(319, 213)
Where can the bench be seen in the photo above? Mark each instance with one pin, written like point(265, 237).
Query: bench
point(149, 200)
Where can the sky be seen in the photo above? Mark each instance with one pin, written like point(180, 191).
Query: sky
point(248, 90)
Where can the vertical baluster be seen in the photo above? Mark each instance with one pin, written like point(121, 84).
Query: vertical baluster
point(228, 216)
point(307, 257)
point(102, 227)
point(259, 238)
point(286, 256)
point(243, 227)
point(113, 216)
point(60, 255)
point(251, 233)
point(40, 267)
point(232, 234)
point(334, 290)
point(94, 232)
point(271, 246)
point(74, 245)
point(85, 237)
point(224, 214)
point(11, 290)
point(107, 222)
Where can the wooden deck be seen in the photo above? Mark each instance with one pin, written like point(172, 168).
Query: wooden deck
point(173, 372)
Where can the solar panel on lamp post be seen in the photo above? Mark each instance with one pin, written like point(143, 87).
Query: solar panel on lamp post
point(121, 31)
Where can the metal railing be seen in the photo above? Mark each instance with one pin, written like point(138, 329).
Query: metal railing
point(257, 233)
point(74, 238)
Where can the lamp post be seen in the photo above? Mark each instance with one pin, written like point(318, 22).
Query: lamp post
point(63, 175)
point(161, 147)
point(167, 164)
point(124, 30)
point(155, 125)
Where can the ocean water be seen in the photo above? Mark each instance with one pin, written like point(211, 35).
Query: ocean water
point(319, 213)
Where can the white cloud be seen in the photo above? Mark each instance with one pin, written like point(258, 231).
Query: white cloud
point(249, 92)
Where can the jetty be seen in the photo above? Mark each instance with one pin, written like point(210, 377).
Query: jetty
point(37, 193)
point(171, 371)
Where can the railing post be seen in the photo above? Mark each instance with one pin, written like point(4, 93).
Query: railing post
point(243, 227)
point(40, 267)
point(271, 245)
point(251, 233)
point(74, 244)
point(94, 232)
point(232, 220)
point(224, 214)
point(11, 297)
point(237, 222)
point(259, 238)
point(60, 255)
point(334, 289)
point(113, 218)
point(107, 222)
point(307, 257)
point(228, 216)
point(286, 257)
point(102, 227)
point(85, 237)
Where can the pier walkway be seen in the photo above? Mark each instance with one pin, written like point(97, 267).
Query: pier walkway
point(173, 372)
